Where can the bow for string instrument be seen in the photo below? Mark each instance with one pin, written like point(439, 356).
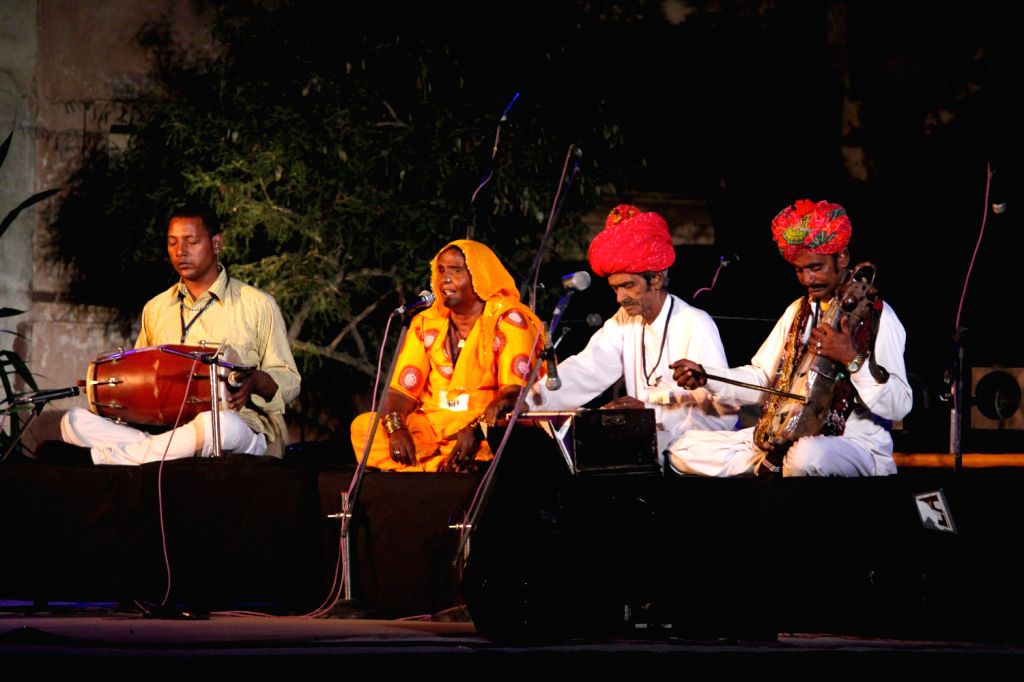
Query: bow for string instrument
point(817, 396)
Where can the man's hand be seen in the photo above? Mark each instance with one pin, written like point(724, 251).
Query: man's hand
point(834, 344)
point(688, 374)
point(626, 402)
point(257, 382)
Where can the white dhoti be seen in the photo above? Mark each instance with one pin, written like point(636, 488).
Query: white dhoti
point(732, 453)
point(112, 443)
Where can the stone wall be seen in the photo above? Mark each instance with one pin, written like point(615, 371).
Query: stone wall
point(65, 71)
point(18, 48)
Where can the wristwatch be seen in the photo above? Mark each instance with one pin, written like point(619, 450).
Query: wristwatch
point(855, 364)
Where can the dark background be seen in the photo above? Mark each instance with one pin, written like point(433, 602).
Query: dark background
point(745, 110)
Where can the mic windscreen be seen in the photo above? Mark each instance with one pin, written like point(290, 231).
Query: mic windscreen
point(423, 300)
point(594, 320)
point(577, 280)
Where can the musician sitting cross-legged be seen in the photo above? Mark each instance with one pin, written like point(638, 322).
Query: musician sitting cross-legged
point(844, 373)
point(634, 252)
point(207, 304)
point(465, 360)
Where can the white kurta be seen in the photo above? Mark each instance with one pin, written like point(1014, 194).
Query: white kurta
point(617, 351)
point(865, 449)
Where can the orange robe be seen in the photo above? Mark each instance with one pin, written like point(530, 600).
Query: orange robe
point(498, 352)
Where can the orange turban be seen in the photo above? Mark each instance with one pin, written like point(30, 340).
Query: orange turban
point(632, 242)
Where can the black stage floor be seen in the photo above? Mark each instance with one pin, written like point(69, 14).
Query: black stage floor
point(86, 637)
point(839, 572)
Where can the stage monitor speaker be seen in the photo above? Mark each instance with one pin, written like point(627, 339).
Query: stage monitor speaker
point(996, 403)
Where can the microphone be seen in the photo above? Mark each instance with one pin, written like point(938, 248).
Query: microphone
point(573, 282)
point(728, 260)
point(578, 281)
point(594, 320)
point(37, 397)
point(553, 383)
point(424, 300)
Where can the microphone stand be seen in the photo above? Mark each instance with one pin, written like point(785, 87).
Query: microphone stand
point(12, 410)
point(214, 361)
point(350, 498)
point(486, 486)
point(38, 402)
point(556, 211)
point(956, 400)
point(489, 169)
point(956, 374)
point(357, 480)
point(563, 303)
point(214, 401)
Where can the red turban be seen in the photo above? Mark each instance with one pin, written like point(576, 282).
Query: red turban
point(817, 227)
point(631, 242)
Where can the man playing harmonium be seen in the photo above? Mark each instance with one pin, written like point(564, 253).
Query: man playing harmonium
point(651, 327)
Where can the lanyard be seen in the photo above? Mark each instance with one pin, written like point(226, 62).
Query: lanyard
point(661, 351)
point(181, 310)
point(181, 307)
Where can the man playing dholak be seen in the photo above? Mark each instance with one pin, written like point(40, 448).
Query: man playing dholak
point(813, 237)
point(464, 360)
point(206, 304)
point(634, 252)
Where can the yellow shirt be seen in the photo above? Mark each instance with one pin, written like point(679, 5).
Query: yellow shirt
point(252, 324)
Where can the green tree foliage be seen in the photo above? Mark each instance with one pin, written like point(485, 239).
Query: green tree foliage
point(342, 146)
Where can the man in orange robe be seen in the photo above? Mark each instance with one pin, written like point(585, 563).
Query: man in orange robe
point(465, 360)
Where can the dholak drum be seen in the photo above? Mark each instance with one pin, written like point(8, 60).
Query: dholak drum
point(147, 385)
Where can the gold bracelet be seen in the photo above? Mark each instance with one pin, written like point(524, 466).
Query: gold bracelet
point(393, 422)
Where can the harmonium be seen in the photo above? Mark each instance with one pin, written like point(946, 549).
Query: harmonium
point(590, 441)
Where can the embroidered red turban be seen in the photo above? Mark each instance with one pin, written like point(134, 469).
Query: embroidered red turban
point(817, 227)
point(632, 242)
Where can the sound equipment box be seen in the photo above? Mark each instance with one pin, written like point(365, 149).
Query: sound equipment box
point(612, 441)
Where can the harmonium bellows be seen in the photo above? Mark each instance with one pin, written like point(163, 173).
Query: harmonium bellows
point(601, 441)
